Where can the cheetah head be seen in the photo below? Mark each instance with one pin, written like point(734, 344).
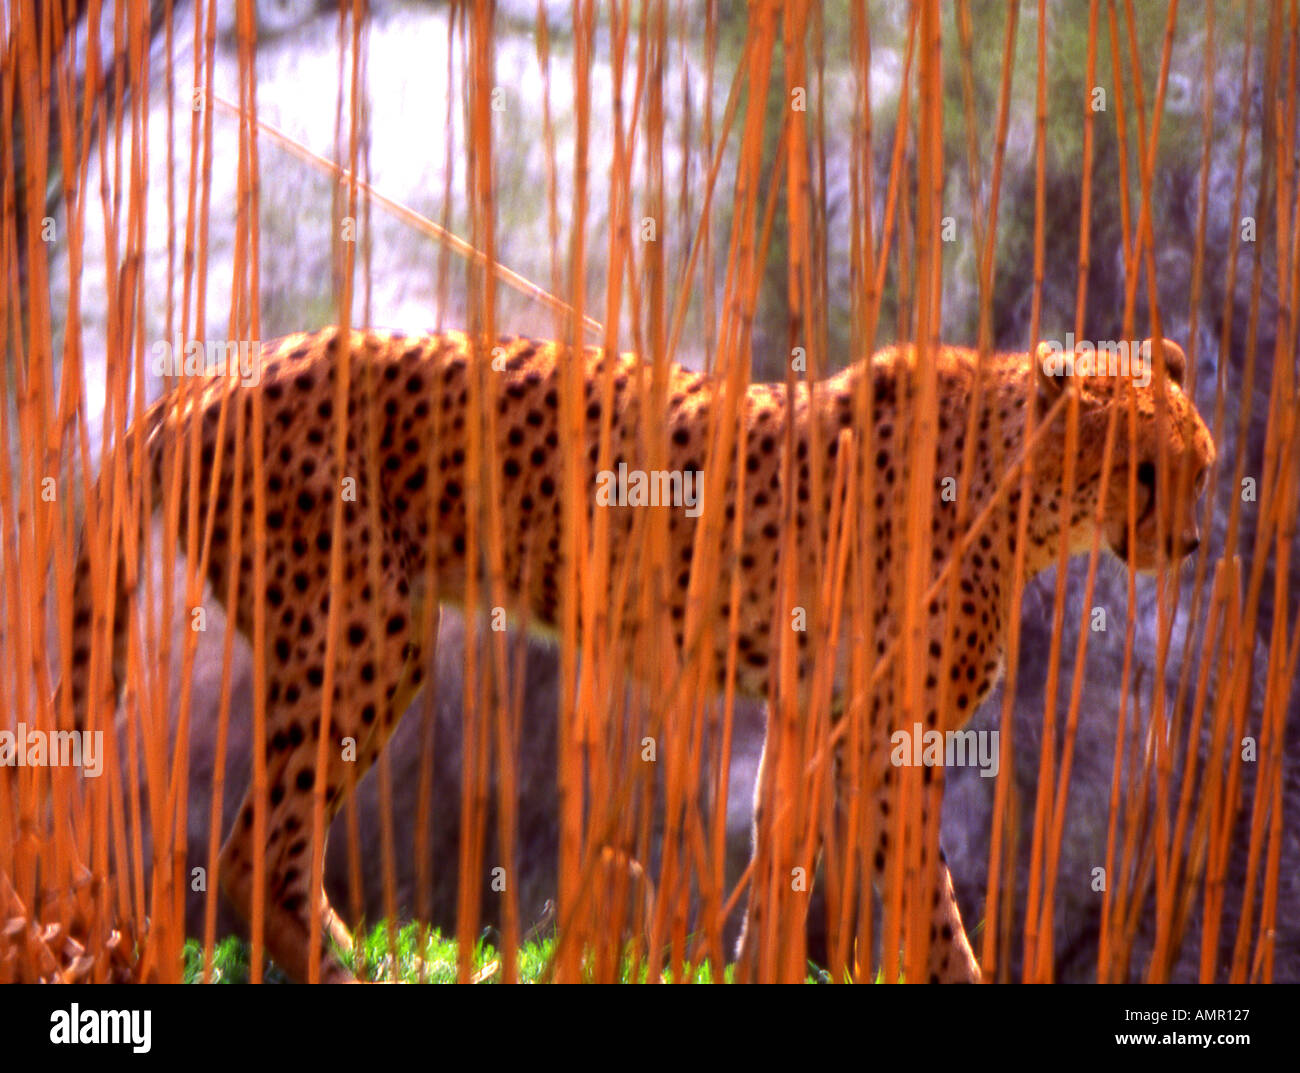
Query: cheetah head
point(1106, 377)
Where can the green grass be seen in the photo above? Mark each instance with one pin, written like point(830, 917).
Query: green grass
point(434, 962)
point(229, 963)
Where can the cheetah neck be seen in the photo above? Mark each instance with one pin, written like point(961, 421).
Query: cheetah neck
point(990, 400)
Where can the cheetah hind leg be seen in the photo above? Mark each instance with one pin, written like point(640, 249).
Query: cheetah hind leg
point(751, 924)
point(286, 920)
point(367, 714)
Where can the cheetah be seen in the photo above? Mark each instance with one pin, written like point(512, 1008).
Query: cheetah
point(416, 389)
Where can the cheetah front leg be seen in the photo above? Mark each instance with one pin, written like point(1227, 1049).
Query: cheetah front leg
point(951, 959)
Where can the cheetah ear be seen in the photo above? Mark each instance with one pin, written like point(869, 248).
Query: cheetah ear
point(1051, 374)
point(1175, 359)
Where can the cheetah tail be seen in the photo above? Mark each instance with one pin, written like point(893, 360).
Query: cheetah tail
point(88, 612)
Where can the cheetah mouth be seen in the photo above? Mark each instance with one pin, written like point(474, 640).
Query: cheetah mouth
point(1171, 555)
point(1133, 554)
point(1119, 547)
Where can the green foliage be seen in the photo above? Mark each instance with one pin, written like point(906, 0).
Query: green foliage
point(425, 956)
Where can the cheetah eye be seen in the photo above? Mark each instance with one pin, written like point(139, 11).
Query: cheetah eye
point(1146, 475)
